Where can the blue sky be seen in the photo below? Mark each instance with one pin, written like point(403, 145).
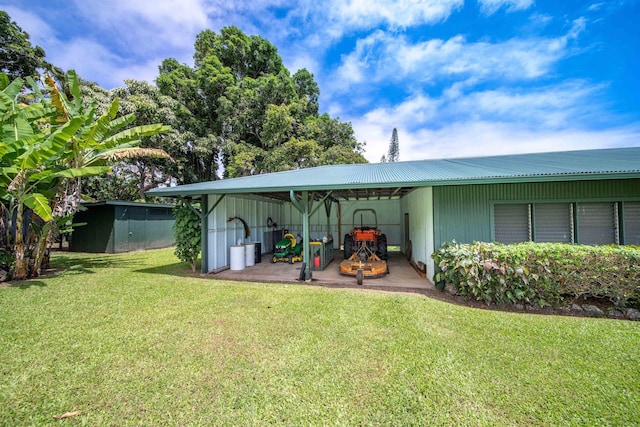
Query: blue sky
point(457, 78)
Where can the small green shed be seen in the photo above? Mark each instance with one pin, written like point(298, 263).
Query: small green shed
point(116, 226)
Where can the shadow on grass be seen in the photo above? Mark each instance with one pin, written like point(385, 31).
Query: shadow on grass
point(28, 284)
point(180, 269)
point(76, 265)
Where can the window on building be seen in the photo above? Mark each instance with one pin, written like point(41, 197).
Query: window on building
point(553, 222)
point(597, 223)
point(512, 223)
point(593, 223)
point(631, 220)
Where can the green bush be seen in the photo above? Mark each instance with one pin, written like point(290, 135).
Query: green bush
point(540, 273)
point(187, 232)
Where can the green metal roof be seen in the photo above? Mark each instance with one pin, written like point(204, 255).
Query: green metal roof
point(369, 180)
point(127, 203)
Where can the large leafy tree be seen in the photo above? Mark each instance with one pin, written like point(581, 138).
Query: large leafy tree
point(199, 123)
point(130, 179)
point(18, 58)
point(249, 113)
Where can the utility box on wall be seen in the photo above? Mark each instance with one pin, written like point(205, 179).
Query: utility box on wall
point(114, 226)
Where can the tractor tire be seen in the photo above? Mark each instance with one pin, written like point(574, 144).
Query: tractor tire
point(290, 259)
point(348, 245)
point(359, 276)
point(382, 247)
point(274, 259)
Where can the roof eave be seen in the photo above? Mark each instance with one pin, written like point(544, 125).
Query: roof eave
point(181, 191)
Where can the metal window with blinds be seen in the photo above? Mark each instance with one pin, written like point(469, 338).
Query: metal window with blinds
point(631, 223)
point(597, 223)
point(553, 222)
point(512, 223)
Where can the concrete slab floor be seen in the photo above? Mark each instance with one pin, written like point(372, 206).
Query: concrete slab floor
point(402, 276)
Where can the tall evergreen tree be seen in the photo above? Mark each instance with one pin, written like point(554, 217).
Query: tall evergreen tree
point(394, 147)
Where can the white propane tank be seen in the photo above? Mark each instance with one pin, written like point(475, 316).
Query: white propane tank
point(237, 257)
point(250, 254)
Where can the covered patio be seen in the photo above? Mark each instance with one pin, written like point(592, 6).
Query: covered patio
point(403, 277)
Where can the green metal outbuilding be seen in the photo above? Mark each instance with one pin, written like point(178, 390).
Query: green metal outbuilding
point(584, 197)
point(116, 226)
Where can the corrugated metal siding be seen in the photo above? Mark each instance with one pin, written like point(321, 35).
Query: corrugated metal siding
point(222, 233)
point(114, 228)
point(418, 206)
point(97, 235)
point(463, 212)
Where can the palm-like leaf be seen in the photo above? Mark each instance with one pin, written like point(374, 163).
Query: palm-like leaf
point(40, 205)
point(82, 172)
point(135, 133)
point(115, 155)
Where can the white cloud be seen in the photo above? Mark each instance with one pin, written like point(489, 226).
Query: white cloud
point(558, 106)
point(335, 18)
point(490, 138)
point(479, 138)
point(303, 60)
point(498, 121)
point(94, 61)
point(139, 25)
point(40, 33)
point(367, 14)
point(383, 56)
point(489, 7)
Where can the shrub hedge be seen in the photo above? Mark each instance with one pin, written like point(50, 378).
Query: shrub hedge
point(540, 273)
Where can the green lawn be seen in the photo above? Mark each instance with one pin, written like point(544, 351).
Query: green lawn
point(137, 340)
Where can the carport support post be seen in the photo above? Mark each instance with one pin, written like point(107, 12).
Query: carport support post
point(204, 250)
point(327, 207)
point(304, 208)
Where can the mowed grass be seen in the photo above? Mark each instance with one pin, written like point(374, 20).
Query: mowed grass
point(136, 340)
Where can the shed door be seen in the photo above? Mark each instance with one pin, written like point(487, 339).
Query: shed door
point(137, 228)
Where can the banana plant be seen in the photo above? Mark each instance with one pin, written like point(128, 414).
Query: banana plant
point(21, 159)
point(49, 145)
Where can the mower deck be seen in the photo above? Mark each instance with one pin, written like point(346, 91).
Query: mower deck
point(364, 264)
point(370, 269)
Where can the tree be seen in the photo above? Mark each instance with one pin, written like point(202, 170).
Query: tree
point(18, 58)
point(200, 125)
point(249, 114)
point(47, 147)
point(394, 148)
point(307, 90)
point(149, 105)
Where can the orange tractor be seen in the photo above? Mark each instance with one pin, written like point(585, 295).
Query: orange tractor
point(365, 250)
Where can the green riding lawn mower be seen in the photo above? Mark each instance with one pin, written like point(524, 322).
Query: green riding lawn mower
point(289, 249)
